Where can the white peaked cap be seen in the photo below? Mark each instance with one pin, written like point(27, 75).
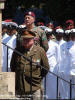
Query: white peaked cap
point(67, 31)
point(9, 23)
point(12, 23)
point(22, 26)
point(72, 30)
point(4, 23)
point(48, 30)
point(43, 27)
point(59, 30)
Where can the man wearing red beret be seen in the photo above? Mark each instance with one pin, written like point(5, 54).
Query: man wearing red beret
point(69, 24)
point(40, 38)
point(40, 24)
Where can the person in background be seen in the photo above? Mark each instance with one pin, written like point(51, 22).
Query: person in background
point(4, 29)
point(69, 24)
point(67, 35)
point(71, 61)
point(66, 75)
point(40, 38)
point(61, 60)
point(52, 59)
point(51, 26)
point(40, 24)
point(5, 39)
point(21, 66)
point(11, 43)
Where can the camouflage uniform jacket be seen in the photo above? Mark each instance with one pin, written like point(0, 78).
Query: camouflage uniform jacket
point(22, 69)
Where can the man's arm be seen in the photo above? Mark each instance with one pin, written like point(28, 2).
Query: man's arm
point(44, 63)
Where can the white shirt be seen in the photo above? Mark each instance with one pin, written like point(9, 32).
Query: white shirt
point(51, 54)
point(61, 55)
point(68, 58)
point(5, 39)
point(72, 58)
point(11, 43)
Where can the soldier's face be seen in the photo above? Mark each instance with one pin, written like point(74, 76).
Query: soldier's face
point(59, 37)
point(27, 42)
point(69, 26)
point(29, 20)
point(49, 36)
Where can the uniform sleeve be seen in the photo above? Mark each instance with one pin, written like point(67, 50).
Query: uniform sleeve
point(44, 41)
point(44, 63)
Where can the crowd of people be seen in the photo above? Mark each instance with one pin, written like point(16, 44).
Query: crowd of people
point(48, 46)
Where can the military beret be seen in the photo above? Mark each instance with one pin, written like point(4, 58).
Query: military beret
point(40, 24)
point(70, 22)
point(30, 13)
point(50, 24)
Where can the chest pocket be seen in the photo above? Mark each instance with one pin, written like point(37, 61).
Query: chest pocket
point(25, 65)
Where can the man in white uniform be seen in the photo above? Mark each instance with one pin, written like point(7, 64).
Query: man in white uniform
point(66, 75)
point(51, 54)
point(11, 43)
point(61, 58)
point(71, 61)
point(61, 48)
point(5, 39)
point(68, 46)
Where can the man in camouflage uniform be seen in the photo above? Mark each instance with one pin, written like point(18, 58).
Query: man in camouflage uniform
point(21, 66)
point(40, 34)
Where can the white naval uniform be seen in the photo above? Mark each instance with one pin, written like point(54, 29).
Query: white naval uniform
point(61, 55)
point(66, 74)
point(72, 67)
point(50, 78)
point(61, 63)
point(67, 67)
point(5, 39)
point(11, 43)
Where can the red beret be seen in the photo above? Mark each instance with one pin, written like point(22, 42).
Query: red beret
point(8, 20)
point(70, 21)
point(30, 13)
point(40, 24)
point(50, 24)
point(58, 27)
